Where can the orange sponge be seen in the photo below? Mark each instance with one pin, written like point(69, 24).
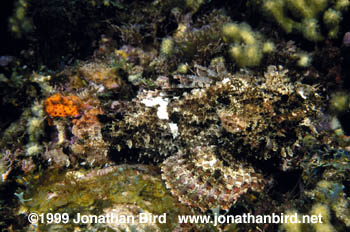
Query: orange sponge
point(63, 106)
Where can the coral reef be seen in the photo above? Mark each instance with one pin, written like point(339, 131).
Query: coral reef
point(20, 23)
point(247, 47)
point(175, 107)
point(305, 16)
point(328, 198)
point(101, 74)
point(199, 41)
point(339, 102)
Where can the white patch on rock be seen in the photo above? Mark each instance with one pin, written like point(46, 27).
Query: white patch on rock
point(174, 129)
point(226, 80)
point(162, 104)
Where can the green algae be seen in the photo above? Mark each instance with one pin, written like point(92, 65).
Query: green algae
point(91, 192)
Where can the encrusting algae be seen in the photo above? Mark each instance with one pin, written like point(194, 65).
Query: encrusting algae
point(125, 188)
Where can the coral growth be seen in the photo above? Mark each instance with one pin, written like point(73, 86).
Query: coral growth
point(20, 23)
point(247, 47)
point(101, 74)
point(304, 16)
point(325, 174)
